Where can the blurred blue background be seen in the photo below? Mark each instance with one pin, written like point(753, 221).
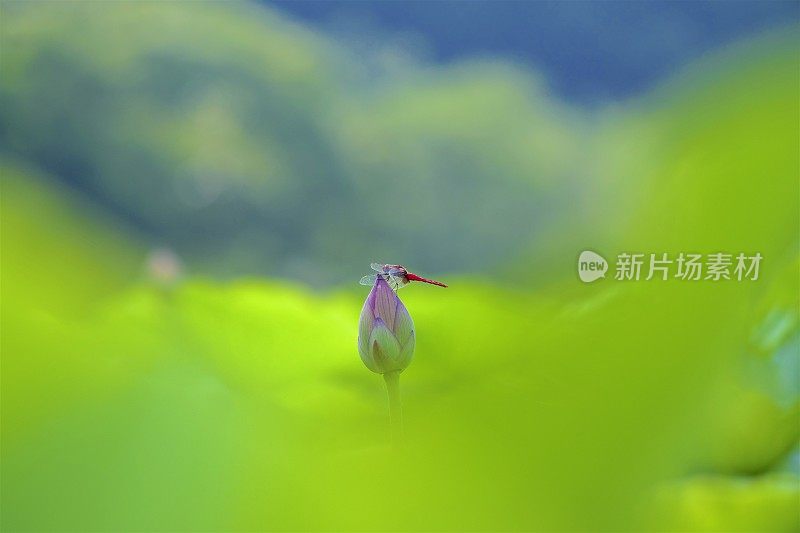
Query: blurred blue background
point(589, 52)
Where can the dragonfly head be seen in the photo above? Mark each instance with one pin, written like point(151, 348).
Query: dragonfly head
point(395, 270)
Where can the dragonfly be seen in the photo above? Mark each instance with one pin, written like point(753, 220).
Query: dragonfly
point(396, 276)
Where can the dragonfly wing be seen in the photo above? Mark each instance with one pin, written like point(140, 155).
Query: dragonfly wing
point(377, 267)
point(368, 280)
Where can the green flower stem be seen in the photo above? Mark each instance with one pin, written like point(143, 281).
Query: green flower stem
point(395, 406)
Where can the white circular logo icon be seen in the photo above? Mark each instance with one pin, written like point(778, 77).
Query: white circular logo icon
point(591, 266)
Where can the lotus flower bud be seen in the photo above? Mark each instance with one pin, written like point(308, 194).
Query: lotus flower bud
point(385, 331)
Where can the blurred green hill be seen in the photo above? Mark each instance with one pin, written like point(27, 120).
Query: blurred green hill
point(251, 145)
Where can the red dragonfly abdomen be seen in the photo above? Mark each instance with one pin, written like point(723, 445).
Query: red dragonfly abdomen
point(414, 277)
